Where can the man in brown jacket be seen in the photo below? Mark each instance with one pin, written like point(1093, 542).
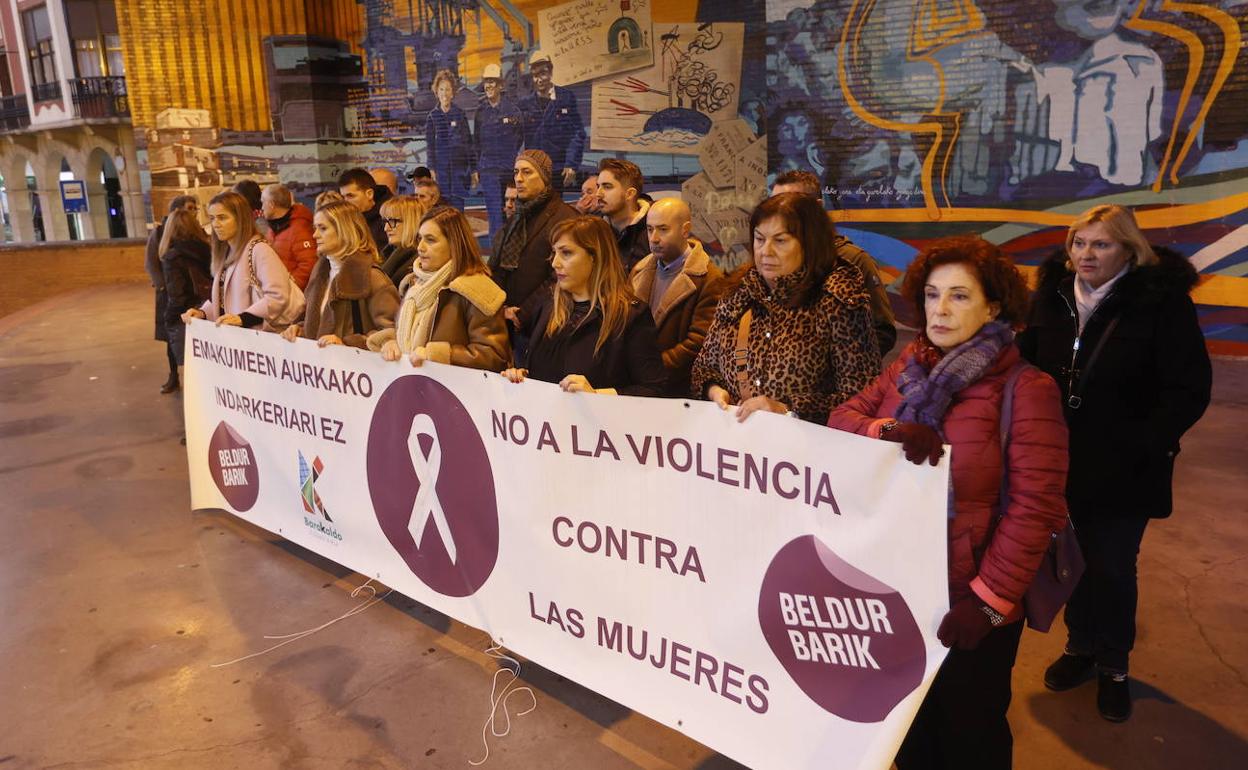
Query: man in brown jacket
point(682, 287)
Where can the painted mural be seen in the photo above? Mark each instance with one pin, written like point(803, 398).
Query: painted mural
point(922, 117)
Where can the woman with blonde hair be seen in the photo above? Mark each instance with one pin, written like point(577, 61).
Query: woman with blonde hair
point(452, 312)
point(327, 197)
point(401, 217)
point(250, 285)
point(590, 333)
point(1112, 322)
point(348, 295)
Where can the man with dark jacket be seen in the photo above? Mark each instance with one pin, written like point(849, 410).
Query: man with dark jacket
point(882, 317)
point(552, 122)
point(520, 257)
point(290, 231)
point(619, 193)
point(499, 130)
point(682, 287)
point(359, 189)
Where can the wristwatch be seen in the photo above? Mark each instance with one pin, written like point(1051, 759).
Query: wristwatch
point(994, 617)
point(887, 427)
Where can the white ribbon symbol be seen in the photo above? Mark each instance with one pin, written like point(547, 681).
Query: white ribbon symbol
point(427, 506)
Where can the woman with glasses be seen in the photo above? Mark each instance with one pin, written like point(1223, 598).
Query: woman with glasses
point(400, 216)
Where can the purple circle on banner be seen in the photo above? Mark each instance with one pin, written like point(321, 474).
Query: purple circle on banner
point(432, 488)
point(232, 463)
point(848, 641)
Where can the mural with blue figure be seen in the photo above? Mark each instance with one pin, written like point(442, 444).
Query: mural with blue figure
point(449, 141)
point(499, 130)
point(552, 121)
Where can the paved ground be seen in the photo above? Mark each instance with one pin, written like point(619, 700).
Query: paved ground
point(115, 601)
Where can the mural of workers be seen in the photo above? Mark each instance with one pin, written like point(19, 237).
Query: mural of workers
point(499, 130)
point(552, 121)
point(449, 141)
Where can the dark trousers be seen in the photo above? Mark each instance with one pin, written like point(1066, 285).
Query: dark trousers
point(492, 190)
point(962, 723)
point(1100, 616)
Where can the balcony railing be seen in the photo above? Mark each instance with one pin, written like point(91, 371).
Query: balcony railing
point(14, 114)
point(101, 97)
point(46, 92)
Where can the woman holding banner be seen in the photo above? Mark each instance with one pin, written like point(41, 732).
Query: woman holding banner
point(349, 297)
point(589, 333)
point(948, 386)
point(250, 285)
point(795, 336)
point(1111, 303)
point(452, 312)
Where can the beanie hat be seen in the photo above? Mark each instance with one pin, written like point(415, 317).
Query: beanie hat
point(540, 161)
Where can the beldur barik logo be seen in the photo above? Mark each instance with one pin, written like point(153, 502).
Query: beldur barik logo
point(232, 463)
point(431, 485)
point(313, 506)
point(848, 640)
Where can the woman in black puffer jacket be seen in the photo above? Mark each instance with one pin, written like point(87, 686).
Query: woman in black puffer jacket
point(1112, 322)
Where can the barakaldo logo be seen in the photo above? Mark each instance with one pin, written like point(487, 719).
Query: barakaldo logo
point(431, 486)
point(233, 466)
point(849, 641)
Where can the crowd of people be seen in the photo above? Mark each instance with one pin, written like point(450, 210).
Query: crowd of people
point(1063, 405)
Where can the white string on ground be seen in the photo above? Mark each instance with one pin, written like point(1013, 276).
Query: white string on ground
point(289, 638)
point(500, 698)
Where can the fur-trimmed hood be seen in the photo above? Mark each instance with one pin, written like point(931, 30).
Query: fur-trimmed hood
point(1174, 273)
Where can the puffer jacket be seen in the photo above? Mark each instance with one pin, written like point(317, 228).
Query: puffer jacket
point(1149, 385)
point(293, 239)
point(1009, 555)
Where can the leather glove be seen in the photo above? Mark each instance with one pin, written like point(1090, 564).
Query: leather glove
point(965, 625)
point(917, 440)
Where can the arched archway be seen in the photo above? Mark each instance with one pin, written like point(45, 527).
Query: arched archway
point(104, 191)
point(40, 233)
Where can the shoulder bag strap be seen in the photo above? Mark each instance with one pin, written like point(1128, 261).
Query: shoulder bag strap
point(1007, 419)
point(1074, 400)
point(741, 355)
point(357, 316)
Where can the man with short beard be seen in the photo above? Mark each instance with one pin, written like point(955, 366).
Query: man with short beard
point(620, 186)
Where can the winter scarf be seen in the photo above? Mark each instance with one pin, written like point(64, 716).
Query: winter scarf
point(420, 305)
point(929, 381)
point(516, 233)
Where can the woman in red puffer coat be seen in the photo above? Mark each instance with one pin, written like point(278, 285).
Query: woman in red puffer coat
point(947, 388)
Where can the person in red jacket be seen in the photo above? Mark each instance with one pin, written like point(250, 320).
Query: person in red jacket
point(947, 388)
point(290, 231)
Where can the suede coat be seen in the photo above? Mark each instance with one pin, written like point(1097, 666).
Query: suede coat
point(1008, 557)
point(468, 327)
point(360, 284)
point(1151, 382)
point(684, 312)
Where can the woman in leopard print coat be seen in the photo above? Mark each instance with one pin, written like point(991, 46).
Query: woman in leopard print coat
point(810, 343)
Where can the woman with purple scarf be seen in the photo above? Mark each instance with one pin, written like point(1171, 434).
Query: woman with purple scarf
point(947, 387)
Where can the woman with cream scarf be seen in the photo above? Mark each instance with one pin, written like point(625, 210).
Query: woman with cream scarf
point(451, 311)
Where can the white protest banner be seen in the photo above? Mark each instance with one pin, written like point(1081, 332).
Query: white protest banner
point(770, 588)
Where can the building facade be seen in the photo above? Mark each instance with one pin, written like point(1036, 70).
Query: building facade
point(65, 116)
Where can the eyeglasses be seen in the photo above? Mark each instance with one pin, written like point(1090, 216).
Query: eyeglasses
point(388, 222)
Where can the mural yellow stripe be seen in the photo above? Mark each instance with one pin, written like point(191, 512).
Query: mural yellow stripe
point(1232, 41)
point(931, 210)
point(1195, 62)
point(1149, 219)
point(1219, 290)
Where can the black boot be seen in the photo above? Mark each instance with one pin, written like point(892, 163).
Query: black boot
point(171, 384)
point(1113, 696)
point(1068, 671)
